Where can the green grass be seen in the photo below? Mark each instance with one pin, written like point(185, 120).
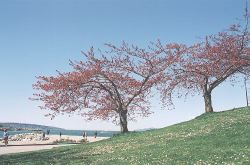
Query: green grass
point(214, 138)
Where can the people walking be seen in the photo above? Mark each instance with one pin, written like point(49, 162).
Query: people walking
point(5, 137)
point(84, 135)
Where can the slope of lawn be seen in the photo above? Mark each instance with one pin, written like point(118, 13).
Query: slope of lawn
point(214, 138)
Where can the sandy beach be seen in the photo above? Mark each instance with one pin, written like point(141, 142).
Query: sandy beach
point(34, 145)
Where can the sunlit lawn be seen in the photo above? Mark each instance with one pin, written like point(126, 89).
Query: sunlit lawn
point(215, 138)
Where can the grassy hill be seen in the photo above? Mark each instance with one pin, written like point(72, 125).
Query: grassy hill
point(215, 138)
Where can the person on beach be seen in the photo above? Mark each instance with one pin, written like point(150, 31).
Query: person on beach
point(60, 135)
point(5, 137)
point(84, 135)
point(43, 135)
point(95, 134)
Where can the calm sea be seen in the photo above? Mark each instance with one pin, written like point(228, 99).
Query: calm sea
point(69, 132)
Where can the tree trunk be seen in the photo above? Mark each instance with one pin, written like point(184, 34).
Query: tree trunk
point(123, 121)
point(208, 102)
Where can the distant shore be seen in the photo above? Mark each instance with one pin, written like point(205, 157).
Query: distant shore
point(34, 145)
point(65, 132)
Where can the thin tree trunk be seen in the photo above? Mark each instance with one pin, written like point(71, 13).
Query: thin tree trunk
point(123, 121)
point(208, 102)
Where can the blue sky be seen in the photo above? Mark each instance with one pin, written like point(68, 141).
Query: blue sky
point(39, 37)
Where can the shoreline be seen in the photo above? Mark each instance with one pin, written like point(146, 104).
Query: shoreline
point(34, 145)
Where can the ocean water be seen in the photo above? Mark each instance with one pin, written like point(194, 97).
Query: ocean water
point(68, 132)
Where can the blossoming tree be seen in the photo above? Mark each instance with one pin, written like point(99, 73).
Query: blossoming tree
point(204, 66)
point(114, 85)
